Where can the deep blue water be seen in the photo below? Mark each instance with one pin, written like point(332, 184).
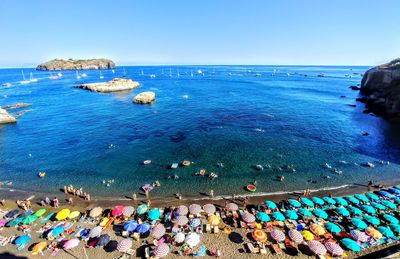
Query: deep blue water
point(231, 116)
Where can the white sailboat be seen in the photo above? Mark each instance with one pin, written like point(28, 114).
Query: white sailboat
point(170, 72)
point(113, 71)
point(124, 73)
point(52, 77)
point(178, 72)
point(141, 73)
point(32, 79)
point(84, 75)
point(59, 74)
point(101, 76)
point(24, 81)
point(77, 75)
point(191, 73)
point(200, 72)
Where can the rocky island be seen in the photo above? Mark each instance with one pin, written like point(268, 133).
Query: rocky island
point(380, 88)
point(144, 98)
point(117, 84)
point(77, 64)
point(5, 117)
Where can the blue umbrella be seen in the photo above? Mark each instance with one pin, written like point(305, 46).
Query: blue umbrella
point(332, 227)
point(378, 206)
point(153, 214)
point(143, 228)
point(329, 200)
point(342, 211)
point(277, 215)
point(130, 225)
point(395, 228)
point(389, 204)
point(386, 232)
point(305, 212)
point(341, 201)
point(372, 196)
point(397, 200)
point(355, 211)
point(352, 200)
point(22, 240)
point(391, 219)
point(358, 223)
point(263, 217)
point(372, 220)
point(386, 195)
point(320, 213)
point(351, 244)
point(291, 214)
point(11, 214)
point(56, 231)
point(394, 190)
point(270, 204)
point(307, 202)
point(361, 197)
point(318, 201)
point(368, 209)
point(195, 222)
point(294, 203)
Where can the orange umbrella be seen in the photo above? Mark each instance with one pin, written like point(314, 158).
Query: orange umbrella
point(213, 220)
point(317, 229)
point(259, 235)
point(372, 232)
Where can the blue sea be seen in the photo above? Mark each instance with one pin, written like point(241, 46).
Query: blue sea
point(280, 117)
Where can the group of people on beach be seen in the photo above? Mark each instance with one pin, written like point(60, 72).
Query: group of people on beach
point(76, 192)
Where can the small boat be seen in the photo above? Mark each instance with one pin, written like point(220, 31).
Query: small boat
point(113, 71)
point(6, 84)
point(41, 174)
point(141, 72)
point(174, 165)
point(201, 172)
point(200, 72)
point(213, 175)
point(186, 163)
point(59, 74)
point(321, 75)
point(77, 75)
point(31, 78)
point(52, 77)
point(251, 188)
point(24, 81)
point(257, 75)
point(152, 76)
point(191, 73)
point(146, 162)
point(84, 75)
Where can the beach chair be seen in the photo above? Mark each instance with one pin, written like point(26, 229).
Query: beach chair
point(216, 229)
point(208, 228)
point(263, 249)
point(250, 248)
point(276, 249)
point(282, 246)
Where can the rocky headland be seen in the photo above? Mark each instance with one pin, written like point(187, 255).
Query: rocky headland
point(380, 88)
point(77, 64)
point(144, 98)
point(117, 84)
point(5, 117)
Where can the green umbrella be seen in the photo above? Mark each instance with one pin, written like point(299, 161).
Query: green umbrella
point(318, 201)
point(29, 219)
point(270, 204)
point(341, 201)
point(352, 200)
point(320, 213)
point(294, 203)
point(395, 228)
point(368, 209)
point(389, 204)
point(291, 214)
point(372, 220)
point(305, 212)
point(332, 227)
point(141, 209)
point(342, 211)
point(307, 202)
point(378, 206)
point(358, 223)
point(351, 244)
point(386, 232)
point(40, 212)
point(277, 215)
point(372, 196)
point(153, 214)
point(329, 200)
point(263, 217)
point(361, 197)
point(355, 211)
point(390, 219)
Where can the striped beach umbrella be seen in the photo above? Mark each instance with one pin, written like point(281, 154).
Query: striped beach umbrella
point(182, 210)
point(332, 227)
point(96, 212)
point(372, 220)
point(372, 196)
point(316, 247)
point(390, 219)
point(358, 223)
point(232, 206)
point(306, 201)
point(355, 211)
point(389, 204)
point(359, 236)
point(334, 248)
point(278, 216)
point(259, 235)
point(329, 200)
point(194, 209)
point(157, 231)
point(95, 232)
point(305, 212)
point(262, 216)
point(209, 208)
point(368, 209)
point(296, 236)
point(161, 250)
point(351, 244)
point(361, 197)
point(124, 245)
point(248, 217)
point(320, 213)
point(318, 200)
point(291, 214)
point(270, 204)
point(181, 220)
point(143, 228)
point(294, 203)
point(353, 200)
point(141, 209)
point(341, 201)
point(117, 211)
point(342, 211)
point(378, 206)
point(278, 235)
point(195, 222)
point(128, 211)
point(372, 232)
point(153, 214)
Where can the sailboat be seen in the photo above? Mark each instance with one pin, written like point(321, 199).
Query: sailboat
point(200, 72)
point(178, 72)
point(124, 73)
point(59, 74)
point(32, 79)
point(24, 81)
point(77, 75)
point(170, 72)
point(141, 73)
point(101, 76)
point(191, 73)
point(53, 77)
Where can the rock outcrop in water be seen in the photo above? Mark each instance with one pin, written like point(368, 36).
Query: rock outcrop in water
point(5, 117)
point(145, 98)
point(117, 84)
point(381, 89)
point(15, 106)
point(77, 64)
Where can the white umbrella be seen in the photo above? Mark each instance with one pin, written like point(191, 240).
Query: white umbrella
point(179, 237)
point(192, 239)
point(95, 232)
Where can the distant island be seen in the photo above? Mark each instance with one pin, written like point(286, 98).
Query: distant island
point(77, 64)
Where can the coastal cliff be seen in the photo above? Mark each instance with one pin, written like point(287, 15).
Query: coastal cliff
point(380, 88)
point(76, 64)
point(117, 84)
point(5, 117)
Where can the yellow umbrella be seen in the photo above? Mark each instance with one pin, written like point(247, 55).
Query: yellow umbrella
point(372, 232)
point(74, 214)
point(213, 220)
point(39, 247)
point(307, 235)
point(317, 229)
point(63, 214)
point(259, 235)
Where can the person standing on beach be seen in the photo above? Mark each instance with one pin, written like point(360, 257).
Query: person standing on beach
point(55, 202)
point(134, 197)
point(211, 193)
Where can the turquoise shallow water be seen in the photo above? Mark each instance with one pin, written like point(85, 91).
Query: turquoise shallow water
point(230, 116)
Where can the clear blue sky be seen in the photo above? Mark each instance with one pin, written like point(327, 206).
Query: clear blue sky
point(347, 32)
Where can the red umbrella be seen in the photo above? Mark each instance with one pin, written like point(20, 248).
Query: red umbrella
point(333, 248)
point(157, 231)
point(124, 245)
point(317, 247)
point(117, 211)
point(278, 235)
point(161, 250)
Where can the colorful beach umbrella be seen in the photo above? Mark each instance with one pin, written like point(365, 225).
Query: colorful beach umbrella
point(248, 217)
point(372, 232)
point(378, 206)
point(179, 237)
point(21, 240)
point(195, 222)
point(182, 210)
point(95, 232)
point(397, 187)
point(71, 243)
point(296, 236)
point(181, 220)
point(56, 231)
point(368, 209)
point(341, 201)
point(11, 214)
point(317, 229)
point(141, 209)
point(372, 220)
point(213, 220)
point(232, 206)
point(161, 250)
point(359, 236)
point(361, 197)
point(358, 223)
point(305, 212)
point(157, 231)
point(96, 212)
point(74, 214)
point(28, 220)
point(39, 247)
point(153, 214)
point(329, 200)
point(102, 240)
point(294, 203)
point(40, 212)
point(270, 204)
point(306, 201)
point(354, 210)
point(307, 235)
point(63, 214)
point(209, 208)
point(278, 235)
point(194, 209)
point(262, 216)
point(320, 213)
point(277, 215)
point(143, 228)
point(352, 199)
point(318, 200)
point(342, 211)
point(130, 225)
point(390, 219)
point(332, 228)
point(259, 235)
point(386, 232)
point(386, 194)
point(117, 211)
point(395, 228)
point(192, 239)
point(389, 204)
point(128, 211)
point(394, 191)
point(351, 244)
point(397, 201)
point(291, 214)
point(124, 245)
point(372, 196)
point(334, 248)
point(317, 247)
